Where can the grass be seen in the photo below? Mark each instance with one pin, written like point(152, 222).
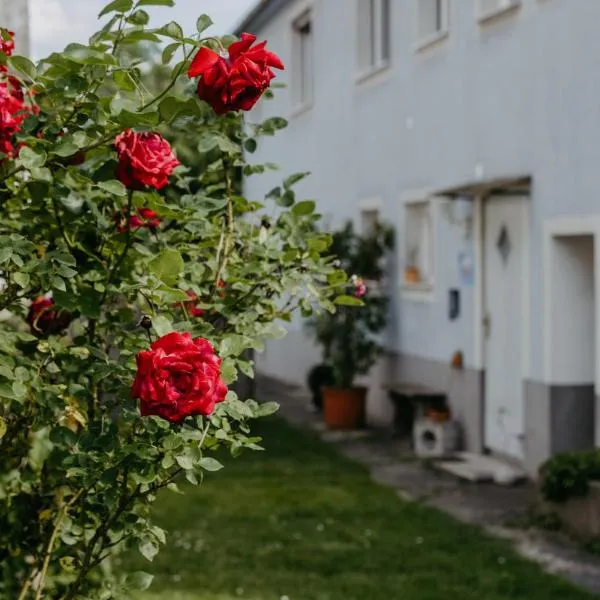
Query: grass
point(299, 522)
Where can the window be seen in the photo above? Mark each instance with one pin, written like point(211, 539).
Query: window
point(418, 235)
point(373, 34)
point(369, 219)
point(302, 68)
point(432, 19)
point(491, 8)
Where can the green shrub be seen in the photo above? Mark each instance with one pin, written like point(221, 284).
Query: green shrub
point(569, 474)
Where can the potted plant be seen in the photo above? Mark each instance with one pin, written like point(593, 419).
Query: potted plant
point(348, 335)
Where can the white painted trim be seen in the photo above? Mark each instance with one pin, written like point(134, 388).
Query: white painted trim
point(372, 73)
point(431, 39)
point(526, 292)
point(486, 16)
point(303, 9)
point(562, 226)
point(478, 301)
point(370, 203)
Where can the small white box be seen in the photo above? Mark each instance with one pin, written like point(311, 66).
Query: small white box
point(435, 440)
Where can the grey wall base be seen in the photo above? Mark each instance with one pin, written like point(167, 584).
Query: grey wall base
point(558, 418)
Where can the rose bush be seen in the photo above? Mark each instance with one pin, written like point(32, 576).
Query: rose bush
point(136, 277)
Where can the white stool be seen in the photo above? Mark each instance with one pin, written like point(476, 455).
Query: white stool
point(435, 440)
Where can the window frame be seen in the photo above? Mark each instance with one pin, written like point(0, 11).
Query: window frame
point(300, 72)
point(484, 15)
point(374, 50)
point(426, 40)
point(423, 288)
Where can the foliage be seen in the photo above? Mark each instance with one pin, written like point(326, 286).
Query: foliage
point(348, 335)
point(568, 475)
point(79, 466)
point(315, 525)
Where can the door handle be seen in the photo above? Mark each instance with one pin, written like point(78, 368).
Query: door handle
point(487, 325)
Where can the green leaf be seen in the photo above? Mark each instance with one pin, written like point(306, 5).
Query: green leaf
point(274, 331)
point(203, 23)
point(140, 581)
point(250, 145)
point(169, 51)
point(295, 178)
point(167, 266)
point(19, 389)
point(23, 65)
point(148, 549)
point(303, 208)
point(113, 187)
point(31, 158)
point(139, 17)
point(348, 301)
point(124, 80)
point(134, 119)
point(287, 199)
point(210, 464)
point(267, 408)
point(185, 461)
point(3, 428)
point(161, 325)
point(172, 30)
point(5, 254)
point(21, 279)
point(119, 6)
point(155, 3)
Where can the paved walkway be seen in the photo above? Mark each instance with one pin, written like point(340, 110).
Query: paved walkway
point(484, 504)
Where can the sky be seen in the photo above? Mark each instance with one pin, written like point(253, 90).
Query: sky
point(56, 23)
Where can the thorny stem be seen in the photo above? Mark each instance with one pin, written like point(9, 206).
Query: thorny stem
point(128, 242)
point(48, 554)
point(59, 223)
point(230, 231)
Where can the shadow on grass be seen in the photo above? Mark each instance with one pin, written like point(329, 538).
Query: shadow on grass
point(299, 522)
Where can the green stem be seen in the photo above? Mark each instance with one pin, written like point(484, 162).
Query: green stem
point(170, 86)
point(128, 242)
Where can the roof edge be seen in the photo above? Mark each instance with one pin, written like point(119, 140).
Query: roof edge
point(260, 16)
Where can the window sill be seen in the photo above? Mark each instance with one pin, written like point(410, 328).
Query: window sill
point(372, 72)
point(300, 109)
point(491, 15)
point(431, 40)
point(418, 292)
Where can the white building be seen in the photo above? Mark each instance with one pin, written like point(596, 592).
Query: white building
point(474, 127)
point(14, 16)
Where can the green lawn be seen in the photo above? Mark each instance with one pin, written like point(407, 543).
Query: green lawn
point(300, 522)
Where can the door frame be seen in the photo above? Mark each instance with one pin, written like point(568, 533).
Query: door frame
point(479, 304)
point(557, 227)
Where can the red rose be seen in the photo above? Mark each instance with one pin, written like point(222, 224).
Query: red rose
point(179, 376)
point(145, 159)
point(44, 318)
point(146, 217)
point(7, 46)
point(16, 103)
point(235, 82)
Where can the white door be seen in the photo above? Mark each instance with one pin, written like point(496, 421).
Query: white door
point(504, 251)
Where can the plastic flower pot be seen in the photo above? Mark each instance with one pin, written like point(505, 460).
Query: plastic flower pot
point(344, 408)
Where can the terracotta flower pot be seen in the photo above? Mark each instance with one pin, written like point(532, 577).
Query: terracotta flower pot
point(344, 408)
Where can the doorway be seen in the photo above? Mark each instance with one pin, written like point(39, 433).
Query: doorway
point(505, 297)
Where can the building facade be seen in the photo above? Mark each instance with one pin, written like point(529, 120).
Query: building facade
point(14, 16)
point(472, 126)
